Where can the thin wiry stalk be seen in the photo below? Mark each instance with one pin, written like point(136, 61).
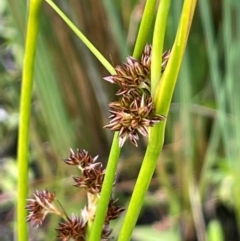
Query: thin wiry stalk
point(91, 47)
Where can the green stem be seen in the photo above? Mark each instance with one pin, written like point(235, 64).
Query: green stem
point(96, 229)
point(90, 46)
point(165, 88)
point(109, 178)
point(162, 98)
point(158, 40)
point(145, 27)
point(25, 111)
point(139, 192)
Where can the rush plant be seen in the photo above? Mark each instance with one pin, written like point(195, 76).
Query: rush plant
point(146, 85)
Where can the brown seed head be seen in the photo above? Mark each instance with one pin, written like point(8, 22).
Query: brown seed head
point(113, 211)
point(132, 75)
point(146, 56)
point(134, 112)
point(81, 158)
point(92, 179)
point(74, 228)
point(132, 115)
point(40, 206)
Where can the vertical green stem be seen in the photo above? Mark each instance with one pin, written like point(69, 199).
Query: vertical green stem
point(25, 111)
point(96, 229)
point(158, 40)
point(162, 98)
point(145, 27)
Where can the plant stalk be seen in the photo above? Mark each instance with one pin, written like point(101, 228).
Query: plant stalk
point(96, 229)
point(162, 99)
point(145, 28)
point(25, 112)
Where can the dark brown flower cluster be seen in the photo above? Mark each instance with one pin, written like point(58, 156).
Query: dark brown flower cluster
point(134, 113)
point(75, 227)
point(40, 206)
point(92, 172)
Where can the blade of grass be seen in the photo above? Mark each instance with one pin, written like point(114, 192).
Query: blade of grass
point(196, 208)
point(214, 74)
point(60, 131)
point(224, 86)
point(25, 112)
point(230, 46)
point(116, 27)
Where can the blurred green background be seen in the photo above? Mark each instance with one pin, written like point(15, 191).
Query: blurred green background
point(195, 192)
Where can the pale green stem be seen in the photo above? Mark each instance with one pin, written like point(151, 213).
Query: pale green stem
point(90, 46)
point(111, 167)
point(105, 196)
point(25, 112)
point(162, 98)
point(145, 27)
point(157, 45)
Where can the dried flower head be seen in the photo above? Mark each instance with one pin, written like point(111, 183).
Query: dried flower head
point(165, 58)
point(92, 178)
point(40, 206)
point(132, 115)
point(132, 75)
point(146, 57)
point(74, 228)
point(113, 211)
point(81, 159)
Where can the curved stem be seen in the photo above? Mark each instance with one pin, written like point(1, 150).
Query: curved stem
point(25, 112)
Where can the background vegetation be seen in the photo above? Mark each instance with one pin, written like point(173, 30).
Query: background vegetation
point(195, 191)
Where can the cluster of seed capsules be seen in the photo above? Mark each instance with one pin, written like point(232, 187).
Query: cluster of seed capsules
point(74, 227)
point(131, 115)
point(134, 112)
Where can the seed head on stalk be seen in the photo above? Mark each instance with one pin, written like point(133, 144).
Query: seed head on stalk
point(134, 112)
